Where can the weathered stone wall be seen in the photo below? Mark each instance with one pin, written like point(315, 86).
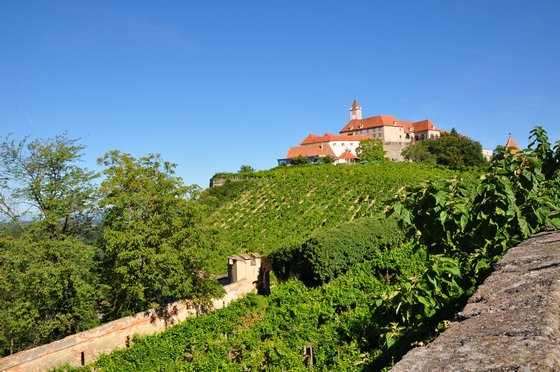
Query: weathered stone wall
point(85, 347)
point(214, 182)
point(394, 150)
point(511, 323)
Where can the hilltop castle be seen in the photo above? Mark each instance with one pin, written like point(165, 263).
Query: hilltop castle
point(395, 134)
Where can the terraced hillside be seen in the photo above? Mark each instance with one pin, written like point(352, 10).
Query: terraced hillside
point(284, 206)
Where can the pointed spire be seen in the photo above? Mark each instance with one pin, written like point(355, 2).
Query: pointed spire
point(355, 105)
point(355, 111)
point(511, 143)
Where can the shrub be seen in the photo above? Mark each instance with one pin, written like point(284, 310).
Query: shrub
point(332, 252)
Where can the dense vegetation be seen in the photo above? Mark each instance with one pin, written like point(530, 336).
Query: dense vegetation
point(322, 223)
point(261, 333)
point(141, 238)
point(61, 270)
point(331, 252)
point(371, 150)
point(285, 206)
point(370, 315)
point(451, 149)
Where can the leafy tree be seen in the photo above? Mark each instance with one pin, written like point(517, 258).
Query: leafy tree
point(371, 150)
point(418, 152)
point(300, 160)
point(152, 239)
point(246, 169)
point(327, 159)
point(42, 178)
point(451, 149)
point(47, 291)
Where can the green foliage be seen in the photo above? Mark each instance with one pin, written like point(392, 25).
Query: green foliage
point(418, 152)
point(41, 178)
point(451, 149)
point(151, 236)
point(333, 251)
point(371, 150)
point(465, 230)
point(246, 169)
point(327, 159)
point(285, 206)
point(215, 197)
point(47, 291)
point(269, 333)
point(300, 160)
point(543, 150)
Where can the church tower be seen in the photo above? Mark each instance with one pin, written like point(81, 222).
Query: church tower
point(356, 111)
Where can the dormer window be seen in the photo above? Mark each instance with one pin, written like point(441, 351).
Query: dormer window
point(351, 127)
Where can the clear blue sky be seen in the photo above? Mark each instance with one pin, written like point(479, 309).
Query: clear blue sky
point(212, 85)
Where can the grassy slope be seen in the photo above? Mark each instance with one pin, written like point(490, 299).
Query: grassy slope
point(286, 205)
point(272, 209)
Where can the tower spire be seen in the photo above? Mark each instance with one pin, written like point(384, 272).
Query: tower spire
point(355, 111)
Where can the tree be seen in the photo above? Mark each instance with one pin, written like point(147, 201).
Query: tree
point(451, 149)
point(42, 178)
point(246, 169)
point(327, 159)
point(152, 240)
point(47, 291)
point(418, 152)
point(371, 150)
point(300, 160)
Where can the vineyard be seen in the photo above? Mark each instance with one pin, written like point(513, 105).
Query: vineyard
point(332, 322)
point(285, 206)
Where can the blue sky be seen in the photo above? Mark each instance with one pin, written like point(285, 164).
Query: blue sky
point(212, 85)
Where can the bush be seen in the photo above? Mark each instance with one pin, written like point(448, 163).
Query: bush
point(332, 252)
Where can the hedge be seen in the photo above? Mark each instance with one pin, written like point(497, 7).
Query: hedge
point(332, 252)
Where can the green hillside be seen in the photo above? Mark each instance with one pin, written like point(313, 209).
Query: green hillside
point(284, 206)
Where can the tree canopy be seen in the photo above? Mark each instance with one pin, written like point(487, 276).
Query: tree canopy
point(151, 238)
point(300, 160)
point(246, 168)
point(61, 271)
point(42, 178)
point(451, 149)
point(371, 150)
point(48, 285)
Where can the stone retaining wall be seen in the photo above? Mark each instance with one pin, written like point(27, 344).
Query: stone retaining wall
point(511, 323)
point(84, 347)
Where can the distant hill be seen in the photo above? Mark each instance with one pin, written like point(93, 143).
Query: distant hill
point(284, 206)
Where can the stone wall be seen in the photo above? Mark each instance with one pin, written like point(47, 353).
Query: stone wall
point(215, 182)
point(511, 323)
point(84, 347)
point(394, 150)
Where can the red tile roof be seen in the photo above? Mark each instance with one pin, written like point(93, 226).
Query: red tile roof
point(373, 122)
point(423, 125)
point(327, 137)
point(309, 150)
point(347, 155)
point(387, 120)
